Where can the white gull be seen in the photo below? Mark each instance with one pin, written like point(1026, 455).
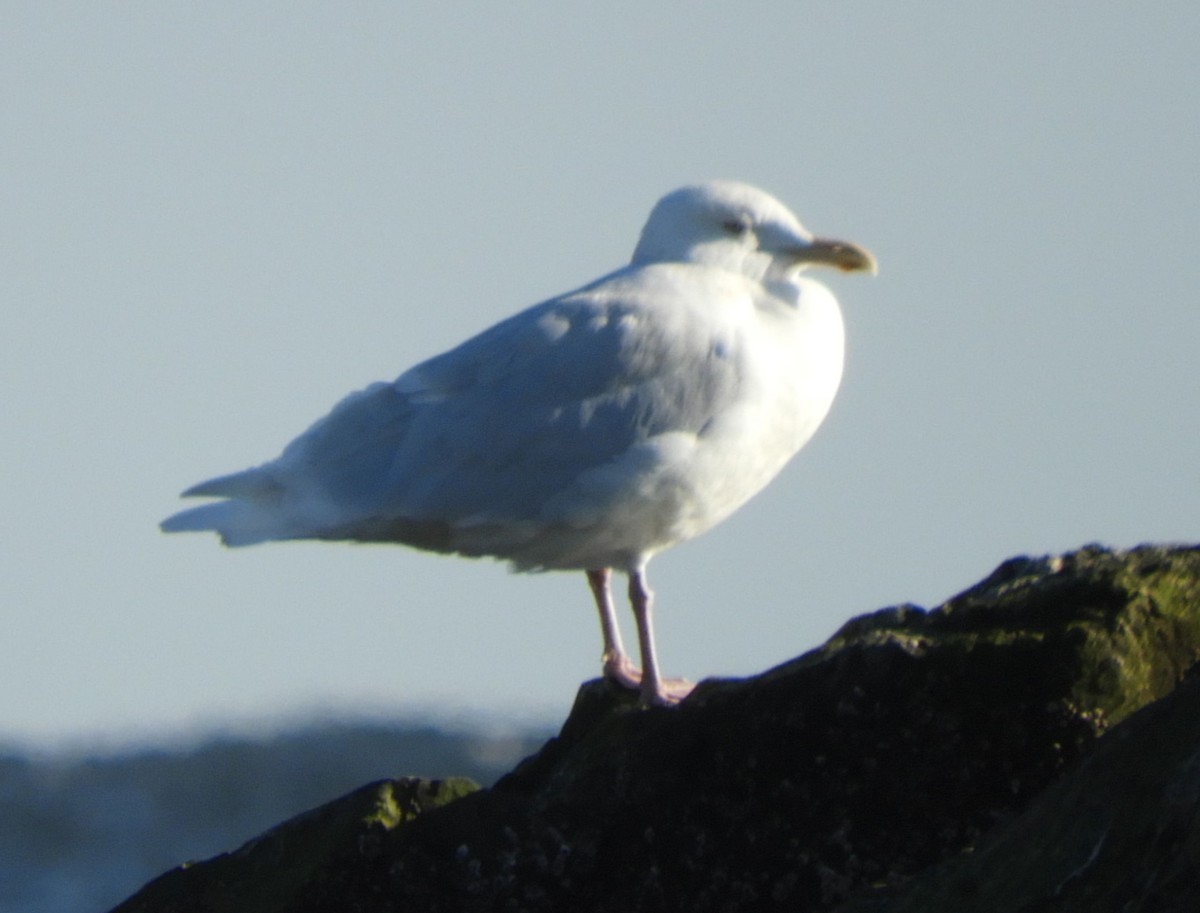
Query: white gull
point(588, 432)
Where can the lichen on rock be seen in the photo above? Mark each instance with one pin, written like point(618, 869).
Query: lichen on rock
point(849, 775)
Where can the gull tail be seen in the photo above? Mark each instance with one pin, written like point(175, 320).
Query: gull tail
point(248, 514)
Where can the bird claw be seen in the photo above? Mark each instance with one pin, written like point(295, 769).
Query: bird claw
point(670, 692)
point(621, 671)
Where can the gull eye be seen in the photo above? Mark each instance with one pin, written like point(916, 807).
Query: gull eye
point(735, 227)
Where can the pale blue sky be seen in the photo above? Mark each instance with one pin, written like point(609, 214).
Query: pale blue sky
point(218, 218)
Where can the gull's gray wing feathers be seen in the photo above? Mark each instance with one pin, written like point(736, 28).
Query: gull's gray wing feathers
point(502, 430)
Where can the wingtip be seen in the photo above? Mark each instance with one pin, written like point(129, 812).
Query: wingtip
point(185, 521)
point(252, 484)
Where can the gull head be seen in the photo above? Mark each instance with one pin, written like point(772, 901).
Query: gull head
point(740, 228)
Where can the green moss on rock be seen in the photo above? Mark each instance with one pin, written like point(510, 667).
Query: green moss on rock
point(273, 871)
point(902, 743)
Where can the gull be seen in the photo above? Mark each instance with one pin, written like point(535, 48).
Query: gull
point(588, 432)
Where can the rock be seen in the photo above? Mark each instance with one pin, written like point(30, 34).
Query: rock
point(273, 871)
point(1121, 832)
point(861, 775)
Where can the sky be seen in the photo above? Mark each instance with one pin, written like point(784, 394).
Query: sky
point(219, 218)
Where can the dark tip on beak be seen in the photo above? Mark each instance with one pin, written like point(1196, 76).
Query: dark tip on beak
point(849, 258)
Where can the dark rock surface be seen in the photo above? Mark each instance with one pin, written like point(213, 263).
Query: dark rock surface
point(1120, 833)
point(950, 760)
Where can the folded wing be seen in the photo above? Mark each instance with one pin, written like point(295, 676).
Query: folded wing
point(490, 433)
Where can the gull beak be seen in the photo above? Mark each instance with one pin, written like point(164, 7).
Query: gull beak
point(849, 258)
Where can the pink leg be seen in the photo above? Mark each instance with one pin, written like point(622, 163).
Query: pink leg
point(655, 692)
point(616, 663)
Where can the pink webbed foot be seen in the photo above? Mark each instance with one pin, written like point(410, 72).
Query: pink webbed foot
point(621, 671)
point(669, 693)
